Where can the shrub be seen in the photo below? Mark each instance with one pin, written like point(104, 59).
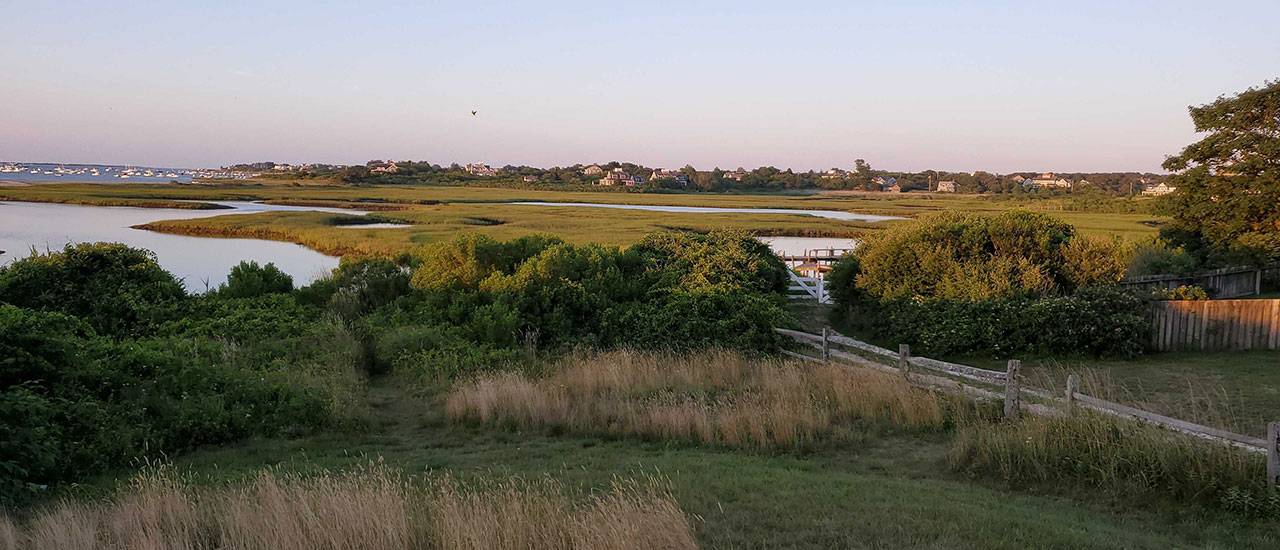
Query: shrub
point(962, 256)
point(250, 280)
point(691, 320)
point(1183, 292)
point(118, 290)
point(75, 403)
point(1155, 257)
point(1099, 321)
point(721, 261)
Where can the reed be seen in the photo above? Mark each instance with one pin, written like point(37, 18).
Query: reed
point(717, 397)
point(367, 509)
point(1119, 456)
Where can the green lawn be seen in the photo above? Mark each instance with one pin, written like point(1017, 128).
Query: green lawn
point(884, 491)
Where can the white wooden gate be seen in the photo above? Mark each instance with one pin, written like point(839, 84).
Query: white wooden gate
point(807, 288)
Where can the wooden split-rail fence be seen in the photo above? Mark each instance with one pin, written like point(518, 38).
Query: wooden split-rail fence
point(989, 384)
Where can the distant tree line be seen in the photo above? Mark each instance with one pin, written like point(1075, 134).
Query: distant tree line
point(860, 177)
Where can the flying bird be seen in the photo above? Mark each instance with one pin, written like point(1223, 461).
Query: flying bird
point(473, 113)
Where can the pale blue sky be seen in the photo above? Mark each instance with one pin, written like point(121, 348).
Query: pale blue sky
point(1067, 86)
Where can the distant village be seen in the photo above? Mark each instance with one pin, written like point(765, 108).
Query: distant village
point(626, 175)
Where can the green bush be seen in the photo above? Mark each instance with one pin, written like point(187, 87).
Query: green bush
point(1099, 321)
point(250, 280)
point(92, 403)
point(118, 290)
point(1183, 292)
point(719, 261)
point(959, 256)
point(692, 320)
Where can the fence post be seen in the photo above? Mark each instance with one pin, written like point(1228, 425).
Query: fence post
point(904, 359)
point(1273, 454)
point(826, 344)
point(822, 291)
point(1257, 282)
point(1073, 386)
point(1011, 389)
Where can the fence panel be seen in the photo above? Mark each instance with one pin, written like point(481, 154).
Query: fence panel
point(1215, 325)
point(1229, 282)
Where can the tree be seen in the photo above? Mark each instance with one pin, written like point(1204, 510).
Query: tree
point(1227, 204)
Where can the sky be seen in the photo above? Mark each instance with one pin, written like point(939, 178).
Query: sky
point(908, 85)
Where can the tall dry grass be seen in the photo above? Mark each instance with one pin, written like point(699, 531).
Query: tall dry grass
point(717, 396)
point(1119, 456)
point(370, 509)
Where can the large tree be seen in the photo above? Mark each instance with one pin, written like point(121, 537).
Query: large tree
point(1227, 204)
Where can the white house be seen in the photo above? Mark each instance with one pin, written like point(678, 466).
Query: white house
point(481, 169)
point(947, 186)
point(1159, 189)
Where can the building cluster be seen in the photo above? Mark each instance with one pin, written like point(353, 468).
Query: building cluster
point(620, 177)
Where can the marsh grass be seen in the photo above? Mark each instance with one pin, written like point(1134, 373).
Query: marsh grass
point(717, 397)
point(367, 509)
point(1117, 456)
point(1186, 397)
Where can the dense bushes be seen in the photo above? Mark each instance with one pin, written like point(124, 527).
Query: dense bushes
point(1013, 283)
point(104, 358)
point(1102, 321)
point(248, 280)
point(723, 284)
point(119, 291)
point(959, 256)
point(75, 402)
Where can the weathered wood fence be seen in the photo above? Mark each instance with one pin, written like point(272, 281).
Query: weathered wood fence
point(1215, 325)
point(1007, 386)
point(1228, 282)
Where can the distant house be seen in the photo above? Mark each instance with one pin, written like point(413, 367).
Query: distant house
point(618, 176)
point(1159, 189)
point(592, 170)
point(481, 169)
point(946, 187)
point(835, 174)
point(529, 179)
point(664, 174)
point(894, 188)
point(889, 184)
point(1048, 180)
point(388, 168)
point(735, 175)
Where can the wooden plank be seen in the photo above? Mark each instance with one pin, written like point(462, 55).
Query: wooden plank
point(957, 369)
point(799, 335)
point(1275, 325)
point(858, 344)
point(1204, 323)
point(1206, 432)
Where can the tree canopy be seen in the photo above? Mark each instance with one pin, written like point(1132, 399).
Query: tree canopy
point(1227, 204)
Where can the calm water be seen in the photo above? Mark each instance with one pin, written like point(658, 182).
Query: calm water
point(796, 246)
point(196, 260)
point(830, 214)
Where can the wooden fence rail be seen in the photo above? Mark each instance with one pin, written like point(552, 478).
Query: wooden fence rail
point(1215, 325)
point(900, 362)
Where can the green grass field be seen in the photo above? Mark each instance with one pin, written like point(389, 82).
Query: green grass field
point(882, 491)
point(440, 212)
